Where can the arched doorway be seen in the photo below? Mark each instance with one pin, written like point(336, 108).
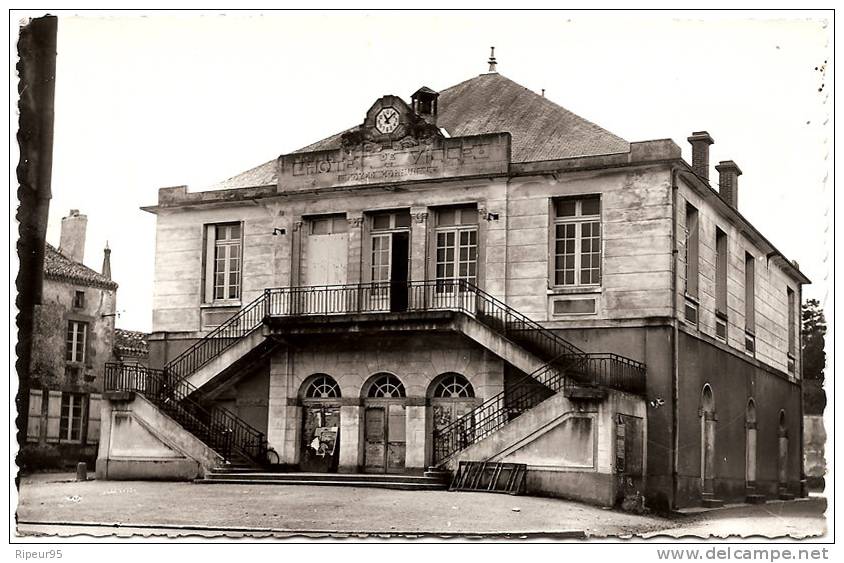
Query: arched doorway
point(320, 444)
point(783, 452)
point(750, 444)
point(384, 399)
point(450, 396)
point(707, 440)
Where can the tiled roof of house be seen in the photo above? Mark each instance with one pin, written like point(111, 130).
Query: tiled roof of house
point(490, 103)
point(57, 266)
point(130, 343)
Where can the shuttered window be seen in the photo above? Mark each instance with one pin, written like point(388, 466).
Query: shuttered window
point(70, 423)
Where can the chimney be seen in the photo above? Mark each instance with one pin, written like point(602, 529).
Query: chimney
point(107, 261)
point(728, 173)
point(700, 141)
point(72, 242)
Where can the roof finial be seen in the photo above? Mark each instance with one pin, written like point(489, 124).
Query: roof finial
point(492, 62)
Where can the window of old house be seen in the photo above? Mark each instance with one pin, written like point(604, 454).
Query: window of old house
point(329, 225)
point(323, 387)
point(223, 262)
point(454, 386)
point(457, 245)
point(792, 329)
point(386, 387)
point(749, 302)
point(577, 241)
point(77, 335)
point(692, 260)
point(79, 299)
point(721, 250)
point(72, 411)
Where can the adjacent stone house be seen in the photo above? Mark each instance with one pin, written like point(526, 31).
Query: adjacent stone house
point(482, 275)
point(73, 340)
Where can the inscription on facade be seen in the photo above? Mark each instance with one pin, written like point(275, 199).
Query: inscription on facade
point(443, 158)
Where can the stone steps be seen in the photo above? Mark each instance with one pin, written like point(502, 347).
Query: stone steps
point(708, 500)
point(755, 499)
point(373, 480)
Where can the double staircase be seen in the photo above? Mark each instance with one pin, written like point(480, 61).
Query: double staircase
point(557, 365)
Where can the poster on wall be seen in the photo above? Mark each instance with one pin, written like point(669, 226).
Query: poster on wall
point(325, 440)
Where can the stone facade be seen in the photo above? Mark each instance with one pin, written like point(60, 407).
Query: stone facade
point(624, 210)
point(73, 339)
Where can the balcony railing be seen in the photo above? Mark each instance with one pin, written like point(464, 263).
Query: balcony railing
point(610, 370)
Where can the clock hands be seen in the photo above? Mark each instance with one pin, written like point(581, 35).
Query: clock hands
point(388, 118)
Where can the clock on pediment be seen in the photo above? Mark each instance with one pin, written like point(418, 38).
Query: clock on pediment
point(390, 123)
point(387, 120)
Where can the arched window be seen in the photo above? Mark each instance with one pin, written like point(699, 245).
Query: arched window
point(454, 386)
point(387, 386)
point(751, 412)
point(322, 387)
point(707, 400)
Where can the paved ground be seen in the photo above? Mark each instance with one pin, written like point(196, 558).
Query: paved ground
point(56, 504)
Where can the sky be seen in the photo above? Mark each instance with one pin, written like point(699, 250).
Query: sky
point(164, 99)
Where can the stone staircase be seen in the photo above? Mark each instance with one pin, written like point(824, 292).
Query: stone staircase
point(432, 481)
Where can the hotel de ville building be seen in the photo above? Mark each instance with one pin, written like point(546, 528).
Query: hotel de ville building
point(473, 286)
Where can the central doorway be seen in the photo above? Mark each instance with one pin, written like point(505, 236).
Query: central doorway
point(320, 443)
point(390, 260)
point(385, 425)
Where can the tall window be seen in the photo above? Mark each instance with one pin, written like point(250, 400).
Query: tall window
point(792, 331)
point(457, 244)
point(227, 261)
point(77, 335)
point(577, 241)
point(720, 271)
point(70, 422)
point(721, 284)
point(692, 242)
point(381, 257)
point(384, 224)
point(749, 292)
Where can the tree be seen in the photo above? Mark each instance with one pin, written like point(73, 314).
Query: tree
point(814, 357)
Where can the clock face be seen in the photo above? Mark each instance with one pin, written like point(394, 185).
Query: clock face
point(387, 120)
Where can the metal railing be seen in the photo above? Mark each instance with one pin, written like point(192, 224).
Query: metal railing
point(498, 410)
point(603, 369)
point(219, 428)
point(372, 297)
point(568, 364)
point(220, 339)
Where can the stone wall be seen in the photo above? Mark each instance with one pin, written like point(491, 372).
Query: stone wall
point(515, 219)
point(52, 375)
point(771, 305)
point(416, 360)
